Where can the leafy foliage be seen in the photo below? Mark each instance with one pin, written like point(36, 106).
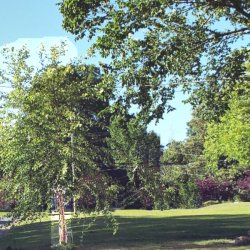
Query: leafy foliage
point(213, 189)
point(132, 145)
point(179, 188)
point(228, 140)
point(174, 154)
point(190, 151)
point(156, 45)
point(243, 186)
point(40, 114)
point(138, 152)
point(94, 191)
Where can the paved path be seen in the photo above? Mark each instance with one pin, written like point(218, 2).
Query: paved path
point(3, 221)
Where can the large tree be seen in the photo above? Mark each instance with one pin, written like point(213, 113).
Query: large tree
point(52, 134)
point(190, 151)
point(131, 145)
point(152, 46)
point(174, 154)
point(138, 153)
point(228, 141)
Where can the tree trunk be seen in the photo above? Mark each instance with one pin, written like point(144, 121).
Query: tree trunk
point(62, 222)
point(73, 172)
point(74, 205)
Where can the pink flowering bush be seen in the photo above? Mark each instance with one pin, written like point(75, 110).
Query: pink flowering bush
point(213, 189)
point(243, 187)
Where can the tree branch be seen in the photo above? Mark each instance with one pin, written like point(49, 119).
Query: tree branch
point(233, 32)
point(236, 4)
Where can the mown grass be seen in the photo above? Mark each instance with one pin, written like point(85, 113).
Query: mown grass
point(213, 227)
point(2, 214)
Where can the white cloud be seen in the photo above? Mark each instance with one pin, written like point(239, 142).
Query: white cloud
point(34, 45)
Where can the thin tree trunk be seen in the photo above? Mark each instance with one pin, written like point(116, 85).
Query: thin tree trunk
point(62, 222)
point(73, 172)
point(74, 205)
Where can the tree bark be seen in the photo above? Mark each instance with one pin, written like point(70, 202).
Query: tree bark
point(73, 172)
point(63, 237)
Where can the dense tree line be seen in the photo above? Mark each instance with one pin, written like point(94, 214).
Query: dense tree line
point(156, 46)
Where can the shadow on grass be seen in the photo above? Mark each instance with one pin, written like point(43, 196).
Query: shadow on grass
point(31, 236)
point(184, 232)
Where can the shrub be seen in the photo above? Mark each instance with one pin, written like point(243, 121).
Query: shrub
point(213, 189)
point(179, 189)
point(207, 189)
point(243, 187)
point(169, 199)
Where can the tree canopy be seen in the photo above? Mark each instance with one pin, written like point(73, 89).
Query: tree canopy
point(154, 46)
point(132, 146)
point(52, 133)
point(174, 154)
point(228, 141)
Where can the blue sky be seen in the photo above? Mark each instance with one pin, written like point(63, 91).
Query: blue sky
point(32, 22)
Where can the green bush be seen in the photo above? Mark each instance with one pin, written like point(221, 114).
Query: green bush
point(179, 189)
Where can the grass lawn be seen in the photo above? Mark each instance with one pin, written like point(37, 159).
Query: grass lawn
point(2, 214)
point(213, 227)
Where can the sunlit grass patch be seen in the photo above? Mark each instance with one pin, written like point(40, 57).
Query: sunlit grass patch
point(213, 227)
point(2, 214)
